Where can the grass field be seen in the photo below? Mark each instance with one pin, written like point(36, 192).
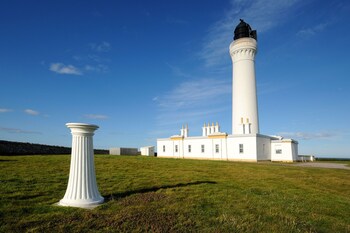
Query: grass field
point(346, 162)
point(168, 195)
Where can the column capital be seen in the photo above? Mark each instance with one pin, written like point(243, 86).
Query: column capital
point(82, 128)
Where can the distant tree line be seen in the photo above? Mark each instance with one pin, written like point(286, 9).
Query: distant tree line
point(332, 159)
point(22, 148)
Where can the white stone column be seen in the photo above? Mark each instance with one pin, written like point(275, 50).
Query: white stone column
point(82, 189)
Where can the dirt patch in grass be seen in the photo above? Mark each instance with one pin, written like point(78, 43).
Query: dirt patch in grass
point(323, 165)
point(151, 220)
point(142, 198)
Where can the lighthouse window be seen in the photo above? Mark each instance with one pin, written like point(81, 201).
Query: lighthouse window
point(189, 148)
point(216, 148)
point(176, 148)
point(241, 148)
point(163, 148)
point(278, 151)
point(202, 148)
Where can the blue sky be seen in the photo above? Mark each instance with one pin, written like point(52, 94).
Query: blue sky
point(141, 69)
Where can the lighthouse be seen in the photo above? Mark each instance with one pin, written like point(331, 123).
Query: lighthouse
point(245, 118)
point(246, 143)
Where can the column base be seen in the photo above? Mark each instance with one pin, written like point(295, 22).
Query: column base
point(86, 204)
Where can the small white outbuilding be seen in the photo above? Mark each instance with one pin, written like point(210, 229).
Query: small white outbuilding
point(147, 150)
point(123, 151)
point(307, 158)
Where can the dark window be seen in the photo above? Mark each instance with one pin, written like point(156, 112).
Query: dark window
point(241, 148)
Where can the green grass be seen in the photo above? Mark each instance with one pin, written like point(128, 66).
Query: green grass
point(168, 195)
point(346, 162)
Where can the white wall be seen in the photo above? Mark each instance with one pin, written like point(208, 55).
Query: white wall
point(196, 148)
point(114, 151)
point(147, 150)
point(255, 148)
point(169, 145)
point(295, 151)
point(249, 148)
point(263, 148)
point(196, 152)
point(288, 149)
point(228, 148)
point(306, 158)
point(123, 151)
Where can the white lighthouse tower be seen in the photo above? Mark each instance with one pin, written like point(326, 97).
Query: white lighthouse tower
point(246, 143)
point(245, 118)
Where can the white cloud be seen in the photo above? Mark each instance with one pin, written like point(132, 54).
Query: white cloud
point(90, 58)
point(78, 58)
point(178, 72)
point(180, 117)
point(61, 68)
point(3, 110)
point(270, 87)
point(191, 101)
point(262, 15)
point(194, 93)
point(96, 116)
point(21, 131)
point(103, 47)
point(308, 32)
point(98, 68)
point(308, 135)
point(97, 59)
point(31, 112)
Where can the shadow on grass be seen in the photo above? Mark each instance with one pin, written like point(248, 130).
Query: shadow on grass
point(153, 189)
point(7, 160)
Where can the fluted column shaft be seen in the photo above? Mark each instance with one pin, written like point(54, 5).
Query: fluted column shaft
point(82, 188)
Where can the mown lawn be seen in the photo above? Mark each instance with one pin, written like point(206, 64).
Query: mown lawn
point(168, 195)
point(346, 162)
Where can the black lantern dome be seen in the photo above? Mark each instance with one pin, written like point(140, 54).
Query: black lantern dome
point(244, 30)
